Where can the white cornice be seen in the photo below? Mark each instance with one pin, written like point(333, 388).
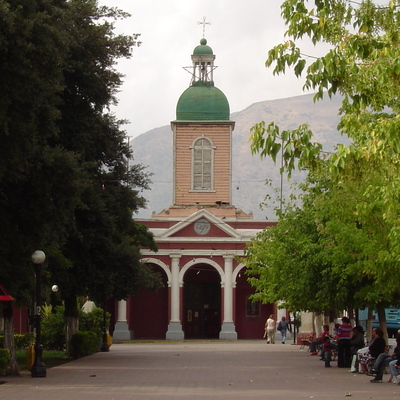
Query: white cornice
point(202, 240)
point(189, 252)
point(223, 226)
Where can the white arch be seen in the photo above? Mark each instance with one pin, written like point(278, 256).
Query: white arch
point(202, 136)
point(164, 266)
point(201, 261)
point(236, 273)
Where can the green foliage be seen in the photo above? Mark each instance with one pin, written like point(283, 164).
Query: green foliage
point(350, 208)
point(53, 335)
point(290, 145)
point(104, 244)
point(39, 182)
point(289, 263)
point(83, 344)
point(93, 321)
point(324, 254)
point(68, 185)
point(5, 359)
point(23, 341)
point(53, 332)
point(362, 65)
point(20, 341)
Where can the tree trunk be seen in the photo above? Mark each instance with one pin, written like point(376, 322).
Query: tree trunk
point(382, 320)
point(318, 324)
point(350, 313)
point(369, 324)
point(9, 344)
point(71, 318)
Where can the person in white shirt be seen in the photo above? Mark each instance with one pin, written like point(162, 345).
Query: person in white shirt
point(270, 329)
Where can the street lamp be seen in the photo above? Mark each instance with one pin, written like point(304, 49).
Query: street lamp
point(38, 367)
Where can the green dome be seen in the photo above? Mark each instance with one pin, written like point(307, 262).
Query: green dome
point(202, 102)
point(203, 48)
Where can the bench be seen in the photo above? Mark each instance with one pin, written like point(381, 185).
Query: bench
point(304, 340)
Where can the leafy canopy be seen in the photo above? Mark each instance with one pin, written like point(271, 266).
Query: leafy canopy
point(324, 254)
point(362, 65)
point(351, 206)
point(61, 146)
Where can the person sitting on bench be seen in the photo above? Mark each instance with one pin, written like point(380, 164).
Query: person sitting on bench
point(319, 341)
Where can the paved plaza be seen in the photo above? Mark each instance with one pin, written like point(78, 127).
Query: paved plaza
point(197, 370)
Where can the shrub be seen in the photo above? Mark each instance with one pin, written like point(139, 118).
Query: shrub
point(83, 344)
point(93, 321)
point(53, 337)
point(21, 341)
point(5, 359)
point(52, 323)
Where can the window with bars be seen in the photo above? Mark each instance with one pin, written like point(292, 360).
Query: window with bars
point(202, 164)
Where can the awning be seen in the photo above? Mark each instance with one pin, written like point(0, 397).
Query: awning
point(4, 295)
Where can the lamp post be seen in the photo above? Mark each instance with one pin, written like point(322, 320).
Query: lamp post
point(38, 367)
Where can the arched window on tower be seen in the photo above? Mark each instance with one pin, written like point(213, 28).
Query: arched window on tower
point(202, 164)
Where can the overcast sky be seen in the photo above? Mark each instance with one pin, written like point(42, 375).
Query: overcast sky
point(240, 34)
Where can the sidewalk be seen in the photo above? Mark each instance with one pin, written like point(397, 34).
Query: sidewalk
point(197, 370)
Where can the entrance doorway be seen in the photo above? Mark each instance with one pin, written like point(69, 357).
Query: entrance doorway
point(202, 302)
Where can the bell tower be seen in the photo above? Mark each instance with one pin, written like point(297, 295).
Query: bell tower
point(202, 138)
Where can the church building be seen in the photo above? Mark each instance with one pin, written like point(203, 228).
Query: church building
point(201, 237)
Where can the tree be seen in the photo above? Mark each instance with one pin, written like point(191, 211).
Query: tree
point(285, 263)
point(61, 149)
point(323, 256)
point(363, 66)
point(297, 262)
point(39, 185)
point(103, 246)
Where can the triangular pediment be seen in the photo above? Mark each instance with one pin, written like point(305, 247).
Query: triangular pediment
point(201, 224)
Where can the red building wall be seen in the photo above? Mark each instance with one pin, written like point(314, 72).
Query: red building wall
point(148, 312)
point(20, 317)
point(249, 325)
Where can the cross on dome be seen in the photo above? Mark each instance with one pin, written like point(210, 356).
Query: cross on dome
point(204, 23)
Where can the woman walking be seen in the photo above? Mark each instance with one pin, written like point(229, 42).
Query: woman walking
point(270, 329)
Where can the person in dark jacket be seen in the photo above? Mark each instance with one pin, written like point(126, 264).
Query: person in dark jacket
point(376, 347)
point(383, 360)
point(283, 327)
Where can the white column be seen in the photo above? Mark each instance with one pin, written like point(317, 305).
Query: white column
point(228, 330)
point(121, 331)
point(122, 311)
point(175, 331)
point(228, 294)
point(175, 288)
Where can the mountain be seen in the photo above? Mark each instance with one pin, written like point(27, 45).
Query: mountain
point(249, 173)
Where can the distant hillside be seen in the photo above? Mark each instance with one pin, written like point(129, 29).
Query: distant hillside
point(154, 149)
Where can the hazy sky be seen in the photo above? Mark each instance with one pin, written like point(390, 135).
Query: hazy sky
point(240, 34)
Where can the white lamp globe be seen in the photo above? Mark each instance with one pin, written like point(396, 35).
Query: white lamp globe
point(38, 257)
